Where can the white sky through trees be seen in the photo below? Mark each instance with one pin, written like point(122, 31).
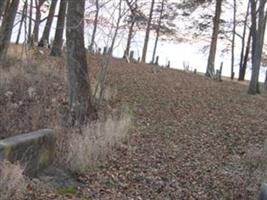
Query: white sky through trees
point(189, 45)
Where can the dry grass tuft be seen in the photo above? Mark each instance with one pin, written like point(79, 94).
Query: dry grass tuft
point(31, 90)
point(83, 149)
point(13, 184)
point(109, 94)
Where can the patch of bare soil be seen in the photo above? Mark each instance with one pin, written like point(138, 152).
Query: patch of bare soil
point(191, 138)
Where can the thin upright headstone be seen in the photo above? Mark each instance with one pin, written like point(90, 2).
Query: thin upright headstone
point(105, 51)
point(157, 60)
point(169, 64)
point(131, 56)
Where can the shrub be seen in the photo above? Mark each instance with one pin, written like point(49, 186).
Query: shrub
point(82, 149)
point(13, 184)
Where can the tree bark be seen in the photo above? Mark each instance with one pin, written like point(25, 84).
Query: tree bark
point(241, 63)
point(46, 33)
point(2, 7)
point(80, 101)
point(233, 42)
point(243, 68)
point(147, 32)
point(58, 41)
point(158, 31)
point(103, 74)
point(37, 19)
point(91, 47)
point(258, 21)
point(133, 9)
point(23, 16)
point(213, 46)
point(129, 39)
point(30, 23)
point(6, 27)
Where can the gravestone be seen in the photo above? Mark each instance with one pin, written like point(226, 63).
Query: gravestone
point(34, 151)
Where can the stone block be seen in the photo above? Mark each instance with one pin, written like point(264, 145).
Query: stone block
point(34, 151)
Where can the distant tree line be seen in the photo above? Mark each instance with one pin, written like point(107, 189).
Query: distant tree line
point(253, 32)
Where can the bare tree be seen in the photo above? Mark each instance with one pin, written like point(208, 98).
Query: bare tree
point(148, 31)
point(242, 63)
point(46, 33)
point(233, 41)
point(23, 16)
point(80, 99)
point(7, 26)
point(213, 46)
point(2, 7)
point(97, 9)
point(158, 30)
point(38, 5)
point(243, 69)
point(258, 26)
point(58, 41)
point(30, 23)
point(101, 83)
point(132, 21)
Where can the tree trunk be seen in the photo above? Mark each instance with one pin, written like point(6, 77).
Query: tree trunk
point(213, 46)
point(243, 68)
point(37, 19)
point(6, 27)
point(258, 21)
point(103, 74)
point(23, 16)
point(91, 47)
point(2, 7)
point(30, 23)
point(129, 39)
point(241, 63)
point(233, 42)
point(157, 32)
point(58, 41)
point(80, 101)
point(46, 33)
point(133, 8)
point(147, 32)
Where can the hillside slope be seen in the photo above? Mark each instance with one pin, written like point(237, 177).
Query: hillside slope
point(192, 138)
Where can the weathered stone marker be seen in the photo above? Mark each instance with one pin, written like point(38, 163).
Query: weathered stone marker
point(131, 56)
point(263, 192)
point(34, 151)
point(157, 60)
point(105, 51)
point(169, 64)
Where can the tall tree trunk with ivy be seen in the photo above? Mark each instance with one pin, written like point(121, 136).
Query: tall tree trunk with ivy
point(80, 98)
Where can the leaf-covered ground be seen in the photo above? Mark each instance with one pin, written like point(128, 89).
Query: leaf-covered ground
point(191, 138)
